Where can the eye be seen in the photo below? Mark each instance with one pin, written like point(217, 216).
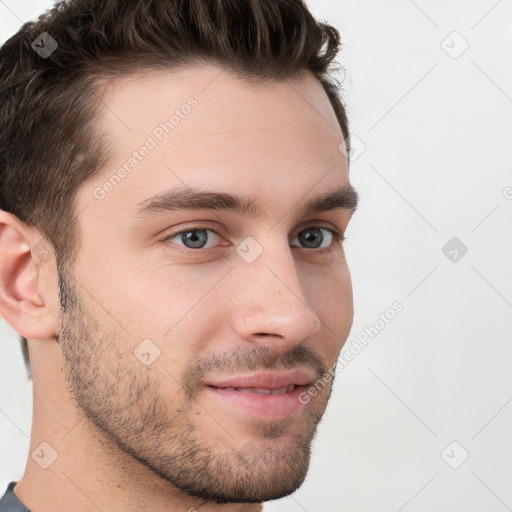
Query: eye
point(312, 238)
point(193, 238)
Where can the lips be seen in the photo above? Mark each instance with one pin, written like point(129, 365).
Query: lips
point(267, 395)
point(263, 391)
point(267, 382)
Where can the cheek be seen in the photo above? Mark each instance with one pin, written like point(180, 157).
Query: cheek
point(329, 290)
point(179, 312)
point(330, 297)
point(152, 301)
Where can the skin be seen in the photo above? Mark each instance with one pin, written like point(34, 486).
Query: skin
point(130, 436)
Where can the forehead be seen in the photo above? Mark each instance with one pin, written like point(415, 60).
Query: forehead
point(203, 127)
point(218, 92)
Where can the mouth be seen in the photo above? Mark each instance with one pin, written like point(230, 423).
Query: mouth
point(261, 391)
point(268, 395)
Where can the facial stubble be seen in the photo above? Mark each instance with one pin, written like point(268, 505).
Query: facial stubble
point(125, 405)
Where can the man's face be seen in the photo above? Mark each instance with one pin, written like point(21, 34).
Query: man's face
point(190, 351)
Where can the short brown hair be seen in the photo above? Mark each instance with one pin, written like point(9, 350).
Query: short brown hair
point(48, 147)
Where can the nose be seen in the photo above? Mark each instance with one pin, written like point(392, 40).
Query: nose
point(272, 308)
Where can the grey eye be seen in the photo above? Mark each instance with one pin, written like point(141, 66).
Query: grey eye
point(312, 238)
point(193, 238)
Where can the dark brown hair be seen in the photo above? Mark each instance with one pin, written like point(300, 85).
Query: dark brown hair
point(48, 146)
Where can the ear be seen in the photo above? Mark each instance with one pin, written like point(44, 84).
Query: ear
point(29, 299)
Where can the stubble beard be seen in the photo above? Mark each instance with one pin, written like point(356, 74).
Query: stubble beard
point(124, 403)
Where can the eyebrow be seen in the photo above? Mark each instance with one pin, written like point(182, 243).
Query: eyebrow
point(189, 198)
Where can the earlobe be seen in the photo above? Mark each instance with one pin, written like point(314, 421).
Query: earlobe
point(26, 298)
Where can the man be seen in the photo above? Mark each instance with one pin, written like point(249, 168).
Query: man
point(174, 193)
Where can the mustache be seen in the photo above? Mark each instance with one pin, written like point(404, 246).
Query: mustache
point(249, 359)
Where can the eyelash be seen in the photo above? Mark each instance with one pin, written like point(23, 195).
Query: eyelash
point(338, 238)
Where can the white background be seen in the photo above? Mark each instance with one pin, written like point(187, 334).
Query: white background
point(433, 162)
